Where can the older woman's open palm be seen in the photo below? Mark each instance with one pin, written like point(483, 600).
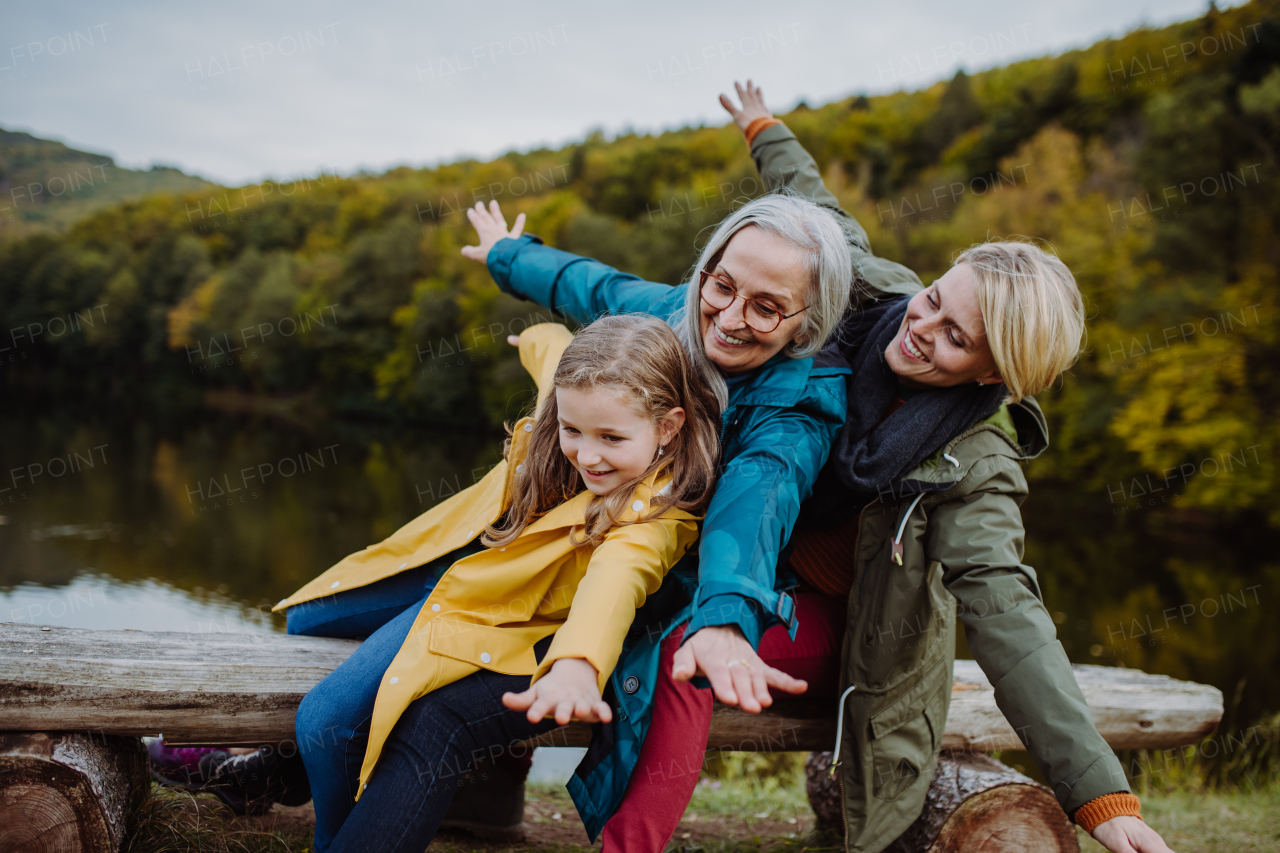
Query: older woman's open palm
point(491, 226)
point(752, 105)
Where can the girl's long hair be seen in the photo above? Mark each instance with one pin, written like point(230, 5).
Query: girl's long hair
point(642, 358)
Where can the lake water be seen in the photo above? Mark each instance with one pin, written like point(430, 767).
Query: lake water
point(203, 526)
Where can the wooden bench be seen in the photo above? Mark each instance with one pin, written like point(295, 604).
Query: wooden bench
point(244, 689)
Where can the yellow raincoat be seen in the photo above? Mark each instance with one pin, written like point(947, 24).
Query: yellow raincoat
point(490, 608)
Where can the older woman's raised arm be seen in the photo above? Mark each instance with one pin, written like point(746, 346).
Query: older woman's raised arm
point(785, 164)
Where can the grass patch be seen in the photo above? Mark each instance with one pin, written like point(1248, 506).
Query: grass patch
point(727, 815)
point(173, 821)
point(1211, 821)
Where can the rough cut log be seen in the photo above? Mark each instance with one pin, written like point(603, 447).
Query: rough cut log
point(192, 687)
point(1132, 709)
point(68, 792)
point(974, 803)
point(229, 689)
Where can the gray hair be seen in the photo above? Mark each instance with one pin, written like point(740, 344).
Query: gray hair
point(813, 230)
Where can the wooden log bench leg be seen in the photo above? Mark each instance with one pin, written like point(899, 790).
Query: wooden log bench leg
point(974, 803)
point(68, 791)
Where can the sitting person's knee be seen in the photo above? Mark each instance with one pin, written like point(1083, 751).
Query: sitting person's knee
point(319, 721)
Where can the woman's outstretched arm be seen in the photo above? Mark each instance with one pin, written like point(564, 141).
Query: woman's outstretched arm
point(784, 163)
point(579, 288)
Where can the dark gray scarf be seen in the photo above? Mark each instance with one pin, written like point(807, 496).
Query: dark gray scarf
point(870, 457)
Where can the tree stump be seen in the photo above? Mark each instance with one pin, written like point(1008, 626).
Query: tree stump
point(974, 803)
point(68, 792)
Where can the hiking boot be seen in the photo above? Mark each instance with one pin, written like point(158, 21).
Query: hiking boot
point(489, 803)
point(253, 782)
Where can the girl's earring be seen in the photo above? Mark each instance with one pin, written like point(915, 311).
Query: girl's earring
point(659, 451)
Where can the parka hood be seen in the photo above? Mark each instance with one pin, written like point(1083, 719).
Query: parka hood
point(991, 437)
point(1033, 429)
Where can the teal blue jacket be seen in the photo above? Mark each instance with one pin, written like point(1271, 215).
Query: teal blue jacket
point(775, 434)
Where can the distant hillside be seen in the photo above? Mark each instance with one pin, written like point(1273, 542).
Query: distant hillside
point(45, 185)
point(1149, 162)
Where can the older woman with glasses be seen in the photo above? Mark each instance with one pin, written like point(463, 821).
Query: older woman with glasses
point(768, 290)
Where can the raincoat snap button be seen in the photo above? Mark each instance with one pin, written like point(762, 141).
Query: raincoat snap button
point(485, 657)
point(631, 684)
point(520, 468)
point(528, 427)
point(435, 608)
point(334, 585)
point(638, 505)
point(394, 679)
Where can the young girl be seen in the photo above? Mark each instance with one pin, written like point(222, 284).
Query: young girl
point(537, 570)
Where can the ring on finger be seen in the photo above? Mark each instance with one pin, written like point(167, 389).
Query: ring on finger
point(744, 664)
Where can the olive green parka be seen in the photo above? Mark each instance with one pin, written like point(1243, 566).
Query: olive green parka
point(945, 542)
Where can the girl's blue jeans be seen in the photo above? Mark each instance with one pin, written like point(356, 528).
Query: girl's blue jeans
point(434, 742)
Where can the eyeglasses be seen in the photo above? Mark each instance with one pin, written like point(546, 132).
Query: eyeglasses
point(760, 315)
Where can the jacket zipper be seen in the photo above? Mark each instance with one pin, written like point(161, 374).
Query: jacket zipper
point(844, 816)
point(724, 425)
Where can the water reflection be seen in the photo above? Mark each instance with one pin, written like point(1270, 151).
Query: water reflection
point(203, 524)
point(194, 527)
point(92, 600)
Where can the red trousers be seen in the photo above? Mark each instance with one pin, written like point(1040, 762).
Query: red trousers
point(676, 744)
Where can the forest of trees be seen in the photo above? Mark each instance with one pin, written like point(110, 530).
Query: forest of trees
point(1149, 163)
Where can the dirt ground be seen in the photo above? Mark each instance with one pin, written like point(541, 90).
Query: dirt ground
point(553, 823)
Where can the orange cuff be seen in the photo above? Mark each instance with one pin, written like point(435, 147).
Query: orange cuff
point(753, 129)
point(1102, 809)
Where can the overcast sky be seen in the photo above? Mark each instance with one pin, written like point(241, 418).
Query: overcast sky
point(241, 91)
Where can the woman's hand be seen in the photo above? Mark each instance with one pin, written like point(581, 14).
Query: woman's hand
point(568, 692)
point(737, 674)
point(491, 227)
point(1128, 834)
point(752, 105)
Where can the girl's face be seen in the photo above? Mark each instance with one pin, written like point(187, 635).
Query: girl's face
point(943, 340)
point(606, 439)
point(761, 265)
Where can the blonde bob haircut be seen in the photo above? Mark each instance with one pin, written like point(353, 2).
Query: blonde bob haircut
point(1032, 310)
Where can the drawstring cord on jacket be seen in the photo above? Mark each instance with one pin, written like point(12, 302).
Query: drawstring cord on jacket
point(897, 558)
point(835, 755)
point(897, 540)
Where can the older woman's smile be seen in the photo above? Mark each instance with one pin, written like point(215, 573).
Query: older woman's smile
point(727, 339)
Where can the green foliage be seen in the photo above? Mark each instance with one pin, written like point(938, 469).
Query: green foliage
point(46, 186)
point(1149, 163)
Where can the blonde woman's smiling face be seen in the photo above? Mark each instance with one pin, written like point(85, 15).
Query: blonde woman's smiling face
point(943, 340)
point(606, 439)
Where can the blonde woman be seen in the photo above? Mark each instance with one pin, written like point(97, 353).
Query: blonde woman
point(914, 519)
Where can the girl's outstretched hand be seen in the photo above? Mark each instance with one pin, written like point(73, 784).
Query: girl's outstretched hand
point(567, 692)
point(491, 227)
point(752, 105)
